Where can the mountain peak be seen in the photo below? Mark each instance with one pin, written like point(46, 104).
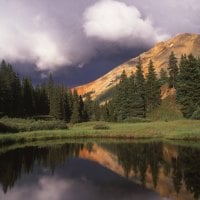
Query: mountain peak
point(185, 43)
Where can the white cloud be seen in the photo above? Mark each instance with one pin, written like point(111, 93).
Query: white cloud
point(116, 21)
point(30, 33)
point(52, 33)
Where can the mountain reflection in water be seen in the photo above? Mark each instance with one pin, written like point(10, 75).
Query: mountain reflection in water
point(101, 171)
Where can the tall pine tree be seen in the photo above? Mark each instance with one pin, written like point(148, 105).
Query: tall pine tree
point(75, 117)
point(188, 89)
point(152, 88)
point(140, 86)
point(28, 98)
point(173, 70)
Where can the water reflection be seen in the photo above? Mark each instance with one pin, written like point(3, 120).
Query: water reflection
point(95, 171)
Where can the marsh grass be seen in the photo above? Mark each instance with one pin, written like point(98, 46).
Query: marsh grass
point(172, 130)
point(14, 125)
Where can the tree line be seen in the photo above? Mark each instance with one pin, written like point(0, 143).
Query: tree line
point(133, 97)
point(138, 95)
point(19, 98)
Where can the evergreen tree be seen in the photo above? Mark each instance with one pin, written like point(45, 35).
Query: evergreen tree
point(173, 70)
point(28, 98)
point(177, 174)
point(10, 91)
point(16, 96)
point(188, 89)
point(88, 106)
point(152, 88)
point(134, 99)
point(56, 103)
point(163, 76)
point(140, 86)
point(50, 91)
point(81, 108)
point(96, 111)
point(120, 103)
point(67, 106)
point(107, 111)
point(75, 117)
point(41, 100)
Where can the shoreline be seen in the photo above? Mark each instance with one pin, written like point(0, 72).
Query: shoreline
point(185, 130)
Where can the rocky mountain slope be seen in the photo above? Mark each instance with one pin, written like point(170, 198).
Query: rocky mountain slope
point(180, 44)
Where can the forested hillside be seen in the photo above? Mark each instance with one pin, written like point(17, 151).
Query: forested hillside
point(133, 97)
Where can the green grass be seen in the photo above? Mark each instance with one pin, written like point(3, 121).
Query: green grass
point(172, 130)
point(21, 125)
point(167, 111)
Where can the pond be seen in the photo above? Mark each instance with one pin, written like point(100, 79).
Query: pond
point(98, 171)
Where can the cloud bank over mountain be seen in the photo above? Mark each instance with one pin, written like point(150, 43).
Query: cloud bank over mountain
point(55, 35)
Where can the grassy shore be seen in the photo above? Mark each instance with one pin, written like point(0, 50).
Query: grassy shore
point(15, 125)
point(172, 130)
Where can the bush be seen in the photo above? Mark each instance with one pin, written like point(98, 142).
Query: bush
point(101, 127)
point(196, 114)
point(136, 120)
point(44, 117)
point(8, 125)
point(6, 129)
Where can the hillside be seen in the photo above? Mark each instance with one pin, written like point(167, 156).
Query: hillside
point(180, 44)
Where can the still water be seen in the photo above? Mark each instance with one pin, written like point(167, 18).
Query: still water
point(104, 171)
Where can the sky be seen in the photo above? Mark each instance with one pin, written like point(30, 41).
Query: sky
point(79, 40)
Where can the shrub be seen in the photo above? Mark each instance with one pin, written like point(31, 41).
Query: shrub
point(196, 114)
point(44, 117)
point(101, 127)
point(6, 129)
point(136, 120)
point(8, 125)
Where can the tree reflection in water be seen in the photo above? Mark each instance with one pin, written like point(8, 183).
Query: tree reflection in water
point(140, 158)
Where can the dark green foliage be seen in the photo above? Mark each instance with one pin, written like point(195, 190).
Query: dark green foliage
point(136, 120)
point(8, 125)
point(152, 88)
point(140, 87)
point(173, 70)
point(190, 165)
point(41, 100)
point(101, 127)
point(107, 111)
point(24, 100)
point(43, 117)
point(106, 96)
point(163, 77)
point(133, 95)
point(7, 129)
point(28, 98)
point(88, 106)
point(96, 112)
point(177, 174)
point(196, 114)
point(129, 99)
point(10, 91)
point(66, 105)
point(132, 98)
point(119, 99)
point(139, 157)
point(76, 115)
point(188, 87)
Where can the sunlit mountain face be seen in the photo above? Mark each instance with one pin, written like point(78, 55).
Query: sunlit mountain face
point(152, 170)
